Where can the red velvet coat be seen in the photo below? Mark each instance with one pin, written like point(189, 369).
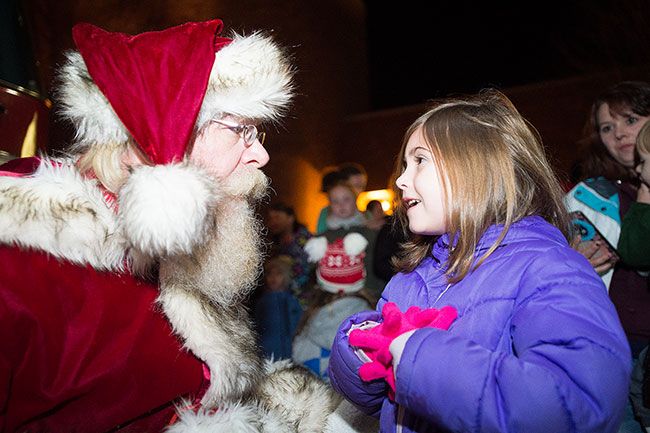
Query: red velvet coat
point(85, 350)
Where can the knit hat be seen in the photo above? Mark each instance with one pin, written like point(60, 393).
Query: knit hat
point(340, 263)
point(156, 89)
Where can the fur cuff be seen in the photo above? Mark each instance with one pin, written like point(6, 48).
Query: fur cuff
point(232, 418)
point(165, 209)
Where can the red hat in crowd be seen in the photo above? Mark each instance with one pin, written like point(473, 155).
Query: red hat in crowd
point(340, 263)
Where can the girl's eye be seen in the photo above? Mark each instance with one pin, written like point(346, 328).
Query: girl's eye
point(605, 129)
point(631, 120)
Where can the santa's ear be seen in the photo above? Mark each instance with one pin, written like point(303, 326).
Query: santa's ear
point(164, 209)
point(354, 243)
point(315, 248)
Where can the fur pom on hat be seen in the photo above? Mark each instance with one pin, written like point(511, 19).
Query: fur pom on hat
point(341, 264)
point(164, 209)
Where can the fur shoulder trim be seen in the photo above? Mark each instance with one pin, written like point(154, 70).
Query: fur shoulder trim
point(57, 211)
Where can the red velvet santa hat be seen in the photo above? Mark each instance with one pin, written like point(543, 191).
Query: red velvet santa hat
point(156, 89)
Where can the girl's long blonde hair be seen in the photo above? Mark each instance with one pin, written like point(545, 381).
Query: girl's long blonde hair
point(496, 172)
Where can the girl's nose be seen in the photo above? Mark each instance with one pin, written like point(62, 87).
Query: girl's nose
point(401, 181)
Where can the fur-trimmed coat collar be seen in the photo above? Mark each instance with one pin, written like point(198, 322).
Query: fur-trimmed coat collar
point(163, 210)
point(57, 211)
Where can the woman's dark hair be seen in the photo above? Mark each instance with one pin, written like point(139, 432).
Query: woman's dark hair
point(626, 95)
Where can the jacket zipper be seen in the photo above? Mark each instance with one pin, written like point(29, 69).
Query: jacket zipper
point(400, 418)
point(400, 409)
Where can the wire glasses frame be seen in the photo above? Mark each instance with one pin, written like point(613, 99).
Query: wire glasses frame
point(248, 132)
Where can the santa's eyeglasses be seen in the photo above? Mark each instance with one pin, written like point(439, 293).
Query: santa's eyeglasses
point(248, 132)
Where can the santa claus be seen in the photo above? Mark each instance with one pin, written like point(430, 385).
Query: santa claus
point(123, 264)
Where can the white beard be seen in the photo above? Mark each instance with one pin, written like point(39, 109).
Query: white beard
point(201, 292)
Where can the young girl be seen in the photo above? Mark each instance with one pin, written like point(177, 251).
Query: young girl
point(536, 345)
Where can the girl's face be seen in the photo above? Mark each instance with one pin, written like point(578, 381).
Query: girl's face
point(422, 191)
point(343, 203)
point(643, 168)
point(618, 133)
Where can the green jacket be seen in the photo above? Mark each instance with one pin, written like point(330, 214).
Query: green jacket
point(634, 242)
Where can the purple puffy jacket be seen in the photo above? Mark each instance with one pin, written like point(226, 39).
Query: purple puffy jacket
point(537, 345)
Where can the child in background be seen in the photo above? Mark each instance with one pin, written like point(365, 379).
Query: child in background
point(634, 241)
point(343, 211)
point(340, 292)
point(537, 345)
point(350, 173)
point(277, 311)
point(344, 218)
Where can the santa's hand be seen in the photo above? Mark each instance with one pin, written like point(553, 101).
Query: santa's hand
point(375, 342)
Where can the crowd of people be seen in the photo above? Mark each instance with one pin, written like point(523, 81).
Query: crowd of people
point(497, 302)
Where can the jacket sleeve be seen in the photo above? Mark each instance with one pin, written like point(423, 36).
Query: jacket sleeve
point(343, 369)
point(634, 242)
point(568, 368)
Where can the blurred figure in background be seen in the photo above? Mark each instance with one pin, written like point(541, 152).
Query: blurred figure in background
point(340, 291)
point(375, 216)
point(605, 194)
point(277, 310)
point(288, 238)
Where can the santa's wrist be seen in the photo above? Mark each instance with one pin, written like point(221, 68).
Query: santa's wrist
point(397, 347)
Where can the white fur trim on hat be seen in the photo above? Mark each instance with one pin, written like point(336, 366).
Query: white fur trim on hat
point(354, 243)
point(315, 248)
point(86, 106)
point(251, 78)
point(164, 209)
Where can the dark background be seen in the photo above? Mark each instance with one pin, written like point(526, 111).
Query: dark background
point(421, 50)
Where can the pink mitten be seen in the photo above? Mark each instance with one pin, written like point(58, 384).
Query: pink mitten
point(375, 341)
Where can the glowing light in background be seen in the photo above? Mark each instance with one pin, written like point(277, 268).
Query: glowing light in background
point(385, 197)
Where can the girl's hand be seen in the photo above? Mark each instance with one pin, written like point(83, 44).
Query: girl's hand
point(597, 254)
